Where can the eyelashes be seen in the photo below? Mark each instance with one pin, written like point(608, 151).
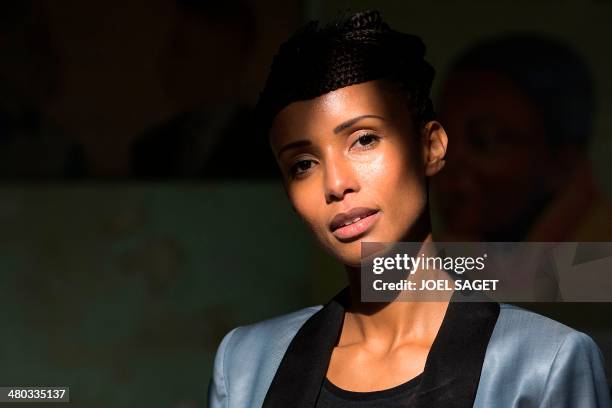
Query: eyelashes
point(302, 167)
point(370, 140)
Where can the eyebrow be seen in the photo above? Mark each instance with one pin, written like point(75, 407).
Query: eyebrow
point(351, 122)
point(294, 145)
point(344, 125)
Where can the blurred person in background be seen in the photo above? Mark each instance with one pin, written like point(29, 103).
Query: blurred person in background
point(520, 109)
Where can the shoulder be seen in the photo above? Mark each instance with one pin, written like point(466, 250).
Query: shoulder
point(270, 332)
point(262, 342)
point(537, 358)
point(516, 320)
point(248, 357)
point(528, 332)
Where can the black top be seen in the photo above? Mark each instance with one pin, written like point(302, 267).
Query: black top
point(402, 395)
point(452, 369)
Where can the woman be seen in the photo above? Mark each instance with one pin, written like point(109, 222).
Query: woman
point(348, 115)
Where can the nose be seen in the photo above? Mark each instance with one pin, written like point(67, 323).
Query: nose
point(339, 179)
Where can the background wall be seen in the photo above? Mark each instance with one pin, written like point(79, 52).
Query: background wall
point(123, 292)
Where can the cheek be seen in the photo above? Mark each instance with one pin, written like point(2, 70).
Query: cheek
point(401, 171)
point(396, 183)
point(408, 196)
point(393, 164)
point(308, 201)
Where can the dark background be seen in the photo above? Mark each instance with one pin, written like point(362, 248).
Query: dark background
point(141, 219)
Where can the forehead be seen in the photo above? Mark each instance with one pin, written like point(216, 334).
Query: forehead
point(324, 113)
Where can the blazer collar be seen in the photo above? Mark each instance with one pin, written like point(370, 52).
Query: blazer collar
point(452, 369)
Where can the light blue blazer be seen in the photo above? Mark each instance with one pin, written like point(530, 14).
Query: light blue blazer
point(485, 355)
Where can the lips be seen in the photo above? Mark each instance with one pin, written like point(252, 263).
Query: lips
point(350, 217)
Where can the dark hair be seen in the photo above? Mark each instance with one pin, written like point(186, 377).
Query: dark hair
point(552, 74)
point(355, 48)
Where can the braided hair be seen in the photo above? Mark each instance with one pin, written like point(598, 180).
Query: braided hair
point(353, 49)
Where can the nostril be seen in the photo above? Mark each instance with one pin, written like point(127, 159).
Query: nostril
point(338, 195)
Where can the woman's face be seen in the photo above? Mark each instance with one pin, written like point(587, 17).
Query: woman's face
point(354, 166)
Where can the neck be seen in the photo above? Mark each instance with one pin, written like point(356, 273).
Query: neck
point(391, 323)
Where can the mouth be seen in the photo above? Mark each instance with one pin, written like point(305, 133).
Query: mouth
point(353, 223)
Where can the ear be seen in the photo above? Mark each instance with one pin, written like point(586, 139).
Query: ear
point(435, 142)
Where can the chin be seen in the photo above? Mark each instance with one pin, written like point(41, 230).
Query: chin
point(349, 254)
point(353, 261)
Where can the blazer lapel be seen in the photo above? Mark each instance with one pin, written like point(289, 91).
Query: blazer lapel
point(302, 370)
point(452, 369)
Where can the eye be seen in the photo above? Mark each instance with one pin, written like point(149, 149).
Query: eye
point(301, 167)
point(366, 141)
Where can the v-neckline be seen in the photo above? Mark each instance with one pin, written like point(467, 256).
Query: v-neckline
point(452, 369)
